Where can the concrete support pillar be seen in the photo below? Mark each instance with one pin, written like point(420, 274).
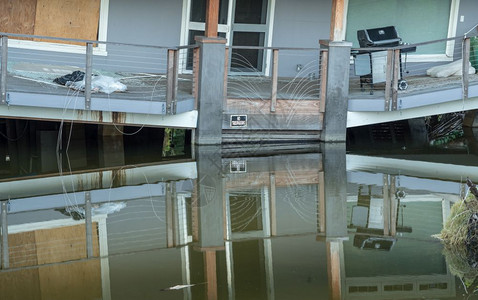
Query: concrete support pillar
point(210, 90)
point(337, 91)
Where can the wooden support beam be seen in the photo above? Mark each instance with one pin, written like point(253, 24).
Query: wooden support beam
point(212, 16)
point(195, 76)
point(211, 275)
point(335, 269)
point(337, 20)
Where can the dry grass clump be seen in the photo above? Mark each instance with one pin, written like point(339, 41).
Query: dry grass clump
point(454, 236)
point(455, 229)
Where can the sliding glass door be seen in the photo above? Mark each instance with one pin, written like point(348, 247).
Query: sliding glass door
point(242, 23)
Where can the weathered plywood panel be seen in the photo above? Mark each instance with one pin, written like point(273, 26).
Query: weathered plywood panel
point(22, 249)
point(76, 19)
point(20, 285)
point(17, 16)
point(64, 243)
point(79, 280)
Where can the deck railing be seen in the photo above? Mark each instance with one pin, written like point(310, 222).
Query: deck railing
point(271, 74)
point(412, 72)
point(150, 73)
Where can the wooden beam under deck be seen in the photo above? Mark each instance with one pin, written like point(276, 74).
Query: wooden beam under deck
point(282, 179)
point(283, 106)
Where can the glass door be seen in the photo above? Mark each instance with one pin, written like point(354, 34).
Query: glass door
point(249, 28)
point(242, 22)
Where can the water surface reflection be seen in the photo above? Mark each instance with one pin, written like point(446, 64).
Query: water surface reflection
point(227, 225)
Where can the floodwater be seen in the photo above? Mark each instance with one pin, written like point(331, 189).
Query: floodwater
point(117, 221)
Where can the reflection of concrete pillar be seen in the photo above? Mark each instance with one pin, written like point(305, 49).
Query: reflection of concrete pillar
point(335, 268)
point(5, 263)
point(209, 210)
point(335, 190)
point(111, 146)
point(210, 197)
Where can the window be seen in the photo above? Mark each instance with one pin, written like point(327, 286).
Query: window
point(415, 20)
point(76, 19)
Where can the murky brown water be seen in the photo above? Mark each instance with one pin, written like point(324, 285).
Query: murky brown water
point(215, 224)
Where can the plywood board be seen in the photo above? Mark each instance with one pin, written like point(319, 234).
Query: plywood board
point(22, 249)
point(79, 280)
point(77, 19)
point(17, 16)
point(64, 243)
point(20, 285)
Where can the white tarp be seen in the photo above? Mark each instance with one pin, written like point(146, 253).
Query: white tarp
point(454, 68)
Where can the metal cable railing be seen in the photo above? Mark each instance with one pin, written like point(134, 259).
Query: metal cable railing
point(130, 71)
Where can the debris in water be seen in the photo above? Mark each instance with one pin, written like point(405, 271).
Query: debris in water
point(180, 287)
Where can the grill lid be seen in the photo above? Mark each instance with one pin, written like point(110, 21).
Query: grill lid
point(382, 36)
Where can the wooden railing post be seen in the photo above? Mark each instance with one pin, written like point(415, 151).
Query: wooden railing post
point(396, 78)
point(274, 77)
point(323, 78)
point(466, 66)
point(3, 72)
point(88, 73)
point(388, 79)
point(195, 76)
point(172, 79)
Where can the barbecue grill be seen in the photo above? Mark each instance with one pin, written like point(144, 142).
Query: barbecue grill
point(371, 64)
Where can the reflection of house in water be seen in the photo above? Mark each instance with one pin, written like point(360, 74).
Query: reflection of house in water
point(397, 213)
point(271, 227)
